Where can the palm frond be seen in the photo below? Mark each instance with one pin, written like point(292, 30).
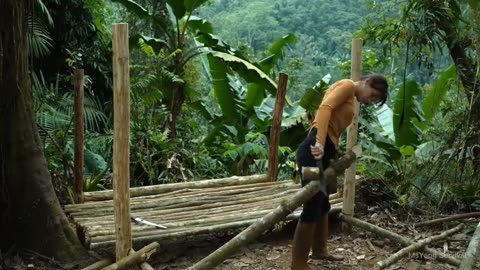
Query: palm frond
point(38, 37)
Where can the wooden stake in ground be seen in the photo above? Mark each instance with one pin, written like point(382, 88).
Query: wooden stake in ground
point(134, 258)
point(349, 183)
point(449, 218)
point(78, 136)
point(397, 238)
point(418, 245)
point(276, 127)
point(121, 144)
point(267, 221)
point(472, 252)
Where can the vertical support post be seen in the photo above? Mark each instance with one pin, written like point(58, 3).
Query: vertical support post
point(352, 132)
point(276, 127)
point(78, 136)
point(121, 134)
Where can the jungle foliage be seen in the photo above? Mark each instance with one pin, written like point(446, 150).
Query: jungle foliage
point(203, 87)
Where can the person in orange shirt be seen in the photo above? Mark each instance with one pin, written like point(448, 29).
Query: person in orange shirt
point(333, 116)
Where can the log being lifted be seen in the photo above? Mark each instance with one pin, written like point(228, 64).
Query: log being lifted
point(269, 220)
point(418, 245)
point(134, 258)
point(159, 189)
point(472, 252)
point(397, 238)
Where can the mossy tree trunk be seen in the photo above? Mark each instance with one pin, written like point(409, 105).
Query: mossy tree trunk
point(30, 213)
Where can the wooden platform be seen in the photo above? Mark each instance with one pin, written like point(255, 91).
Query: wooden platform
point(186, 209)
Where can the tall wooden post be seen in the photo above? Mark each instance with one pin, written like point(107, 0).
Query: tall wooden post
point(121, 134)
point(276, 128)
point(352, 132)
point(78, 137)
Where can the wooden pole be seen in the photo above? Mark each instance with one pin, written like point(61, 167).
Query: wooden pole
point(411, 248)
point(276, 127)
point(78, 137)
point(445, 219)
point(134, 258)
point(349, 183)
point(473, 250)
point(121, 148)
point(404, 241)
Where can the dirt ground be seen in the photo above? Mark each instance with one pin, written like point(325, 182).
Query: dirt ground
point(271, 251)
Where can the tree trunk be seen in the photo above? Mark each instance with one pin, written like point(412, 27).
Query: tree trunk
point(31, 216)
point(178, 97)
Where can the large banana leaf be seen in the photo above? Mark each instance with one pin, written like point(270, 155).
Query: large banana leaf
point(313, 97)
point(405, 110)
point(291, 116)
point(256, 92)
point(156, 43)
point(246, 70)
point(178, 8)
point(435, 96)
point(191, 5)
point(135, 8)
point(224, 93)
point(385, 118)
point(198, 24)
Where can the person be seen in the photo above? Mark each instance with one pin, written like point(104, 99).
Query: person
point(333, 116)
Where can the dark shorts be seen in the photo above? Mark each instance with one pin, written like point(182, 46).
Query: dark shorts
point(319, 204)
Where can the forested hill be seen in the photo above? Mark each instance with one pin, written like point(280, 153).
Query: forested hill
point(324, 29)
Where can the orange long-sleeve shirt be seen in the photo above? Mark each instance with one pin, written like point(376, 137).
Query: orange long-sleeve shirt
point(335, 112)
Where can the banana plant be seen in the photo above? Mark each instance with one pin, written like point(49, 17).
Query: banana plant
point(397, 133)
point(224, 60)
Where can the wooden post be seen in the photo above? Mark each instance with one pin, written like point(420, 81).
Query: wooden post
point(276, 128)
point(78, 137)
point(349, 183)
point(121, 147)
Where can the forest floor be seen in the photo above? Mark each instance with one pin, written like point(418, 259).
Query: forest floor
point(271, 251)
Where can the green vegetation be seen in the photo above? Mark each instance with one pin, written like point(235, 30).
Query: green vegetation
point(203, 86)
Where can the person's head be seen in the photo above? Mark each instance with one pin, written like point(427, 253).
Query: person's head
point(372, 89)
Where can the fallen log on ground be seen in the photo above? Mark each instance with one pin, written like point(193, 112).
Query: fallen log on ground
point(99, 265)
point(472, 252)
point(269, 220)
point(397, 238)
point(134, 258)
point(158, 189)
point(418, 245)
point(449, 218)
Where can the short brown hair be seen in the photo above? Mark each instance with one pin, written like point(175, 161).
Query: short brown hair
point(379, 83)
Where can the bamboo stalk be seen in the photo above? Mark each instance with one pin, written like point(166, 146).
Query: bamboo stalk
point(198, 231)
point(352, 132)
point(134, 258)
point(396, 237)
point(472, 252)
point(416, 246)
point(121, 147)
point(159, 189)
point(449, 218)
point(99, 265)
point(175, 214)
point(184, 193)
point(276, 127)
point(197, 199)
point(107, 230)
point(149, 206)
